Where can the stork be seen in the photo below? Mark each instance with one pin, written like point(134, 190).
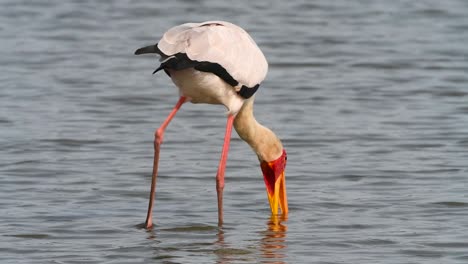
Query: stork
point(217, 62)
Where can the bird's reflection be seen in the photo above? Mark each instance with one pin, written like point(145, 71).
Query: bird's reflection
point(273, 242)
point(223, 256)
point(220, 240)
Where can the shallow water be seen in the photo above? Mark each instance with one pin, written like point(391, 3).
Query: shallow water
point(370, 99)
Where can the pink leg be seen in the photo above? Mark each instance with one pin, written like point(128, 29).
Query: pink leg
point(158, 137)
point(221, 168)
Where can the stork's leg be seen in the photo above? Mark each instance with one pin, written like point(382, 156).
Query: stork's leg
point(221, 168)
point(158, 137)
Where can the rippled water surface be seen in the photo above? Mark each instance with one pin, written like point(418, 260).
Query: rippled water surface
point(369, 97)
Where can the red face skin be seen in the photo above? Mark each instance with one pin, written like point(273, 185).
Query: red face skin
point(273, 174)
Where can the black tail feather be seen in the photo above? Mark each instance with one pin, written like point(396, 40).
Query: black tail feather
point(148, 49)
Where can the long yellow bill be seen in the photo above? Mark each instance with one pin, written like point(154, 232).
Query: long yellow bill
point(273, 174)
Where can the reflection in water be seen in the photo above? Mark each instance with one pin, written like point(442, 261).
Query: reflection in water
point(227, 254)
point(151, 233)
point(273, 243)
point(222, 258)
point(220, 241)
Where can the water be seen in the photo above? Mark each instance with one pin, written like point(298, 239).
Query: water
point(369, 97)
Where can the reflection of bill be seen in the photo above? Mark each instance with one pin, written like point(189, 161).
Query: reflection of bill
point(273, 244)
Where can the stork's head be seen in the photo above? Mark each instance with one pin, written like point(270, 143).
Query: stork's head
point(273, 174)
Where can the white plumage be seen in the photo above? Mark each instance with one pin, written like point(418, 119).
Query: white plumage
point(213, 62)
point(218, 42)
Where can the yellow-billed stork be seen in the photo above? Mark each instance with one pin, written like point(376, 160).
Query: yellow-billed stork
point(217, 62)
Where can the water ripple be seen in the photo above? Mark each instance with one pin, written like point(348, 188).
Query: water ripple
point(369, 99)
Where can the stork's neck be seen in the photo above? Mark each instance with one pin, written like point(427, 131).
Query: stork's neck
point(263, 141)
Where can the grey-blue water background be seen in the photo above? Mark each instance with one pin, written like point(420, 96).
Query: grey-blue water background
point(369, 97)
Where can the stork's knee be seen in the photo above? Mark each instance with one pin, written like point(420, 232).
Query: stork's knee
point(219, 186)
point(158, 136)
